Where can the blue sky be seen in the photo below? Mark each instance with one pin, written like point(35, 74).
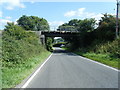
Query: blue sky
point(56, 13)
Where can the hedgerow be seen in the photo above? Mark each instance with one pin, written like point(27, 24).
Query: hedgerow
point(19, 45)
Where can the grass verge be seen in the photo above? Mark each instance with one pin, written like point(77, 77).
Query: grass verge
point(102, 58)
point(12, 76)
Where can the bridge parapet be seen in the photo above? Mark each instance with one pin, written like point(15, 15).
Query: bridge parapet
point(60, 33)
point(43, 34)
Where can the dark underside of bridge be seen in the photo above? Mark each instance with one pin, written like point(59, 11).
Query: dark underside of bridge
point(60, 34)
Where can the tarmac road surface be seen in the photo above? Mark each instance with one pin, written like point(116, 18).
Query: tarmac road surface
point(67, 70)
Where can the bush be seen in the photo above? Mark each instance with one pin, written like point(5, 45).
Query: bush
point(19, 45)
point(49, 42)
point(110, 47)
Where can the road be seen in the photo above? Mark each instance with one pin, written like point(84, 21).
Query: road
point(66, 70)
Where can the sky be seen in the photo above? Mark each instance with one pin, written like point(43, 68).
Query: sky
point(56, 13)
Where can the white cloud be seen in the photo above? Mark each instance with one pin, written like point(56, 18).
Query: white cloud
point(9, 8)
point(54, 24)
point(8, 17)
point(69, 0)
point(70, 14)
point(81, 12)
point(1, 13)
point(32, 1)
point(11, 4)
point(78, 12)
point(97, 16)
point(15, 22)
point(3, 22)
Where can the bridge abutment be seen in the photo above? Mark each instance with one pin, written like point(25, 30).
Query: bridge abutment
point(41, 37)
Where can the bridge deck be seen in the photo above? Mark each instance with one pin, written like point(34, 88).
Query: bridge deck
point(60, 33)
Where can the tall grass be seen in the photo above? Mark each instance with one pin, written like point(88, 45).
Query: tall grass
point(113, 48)
point(107, 53)
point(12, 76)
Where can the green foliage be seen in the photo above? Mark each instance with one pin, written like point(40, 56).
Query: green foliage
point(107, 28)
point(14, 31)
point(89, 36)
point(33, 23)
point(19, 45)
point(103, 58)
point(112, 48)
point(67, 28)
point(12, 76)
point(104, 52)
point(21, 53)
point(49, 42)
point(98, 44)
point(85, 27)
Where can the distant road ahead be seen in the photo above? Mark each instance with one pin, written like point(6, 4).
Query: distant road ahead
point(66, 70)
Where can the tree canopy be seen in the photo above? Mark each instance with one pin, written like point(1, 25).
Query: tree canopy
point(107, 27)
point(33, 23)
point(90, 32)
point(78, 25)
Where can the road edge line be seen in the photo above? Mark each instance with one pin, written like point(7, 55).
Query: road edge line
point(97, 62)
point(35, 73)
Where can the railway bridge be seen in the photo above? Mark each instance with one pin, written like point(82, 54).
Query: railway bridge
point(44, 34)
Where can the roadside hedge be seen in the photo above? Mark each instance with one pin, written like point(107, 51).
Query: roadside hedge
point(19, 45)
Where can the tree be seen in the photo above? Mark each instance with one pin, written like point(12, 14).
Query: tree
point(79, 25)
point(70, 26)
point(73, 22)
point(33, 23)
point(85, 27)
point(106, 28)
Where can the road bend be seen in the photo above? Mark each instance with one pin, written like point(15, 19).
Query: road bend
point(67, 70)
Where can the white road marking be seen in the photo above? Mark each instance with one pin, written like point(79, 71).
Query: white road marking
point(29, 80)
point(97, 62)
